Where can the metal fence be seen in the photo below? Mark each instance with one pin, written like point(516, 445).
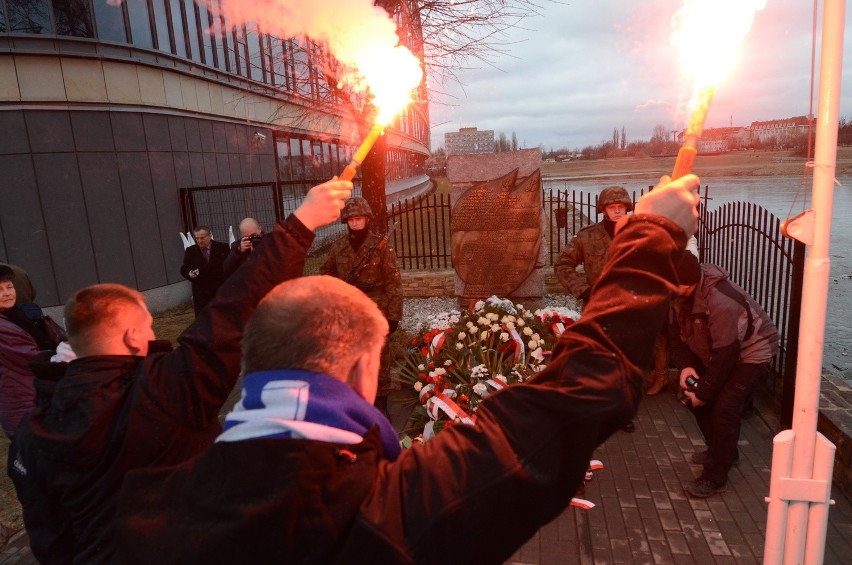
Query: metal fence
point(745, 240)
point(742, 238)
point(222, 207)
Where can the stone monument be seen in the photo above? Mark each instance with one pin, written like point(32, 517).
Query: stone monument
point(497, 226)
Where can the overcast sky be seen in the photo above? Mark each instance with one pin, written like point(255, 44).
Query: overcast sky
point(589, 66)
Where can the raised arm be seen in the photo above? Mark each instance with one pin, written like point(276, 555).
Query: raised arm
point(198, 376)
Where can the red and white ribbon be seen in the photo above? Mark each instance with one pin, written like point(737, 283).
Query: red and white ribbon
point(443, 402)
point(519, 352)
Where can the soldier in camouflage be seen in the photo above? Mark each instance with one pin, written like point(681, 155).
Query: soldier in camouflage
point(379, 277)
point(590, 247)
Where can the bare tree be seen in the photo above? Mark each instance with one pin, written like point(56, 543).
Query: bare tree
point(460, 34)
point(514, 141)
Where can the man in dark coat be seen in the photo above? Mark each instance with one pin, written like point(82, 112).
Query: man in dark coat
point(723, 340)
point(203, 266)
point(117, 409)
point(308, 471)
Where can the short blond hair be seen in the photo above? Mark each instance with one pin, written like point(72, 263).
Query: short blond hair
point(93, 312)
point(317, 323)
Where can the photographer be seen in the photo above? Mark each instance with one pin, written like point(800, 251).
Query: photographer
point(722, 341)
point(251, 233)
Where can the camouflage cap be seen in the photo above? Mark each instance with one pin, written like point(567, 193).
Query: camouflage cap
point(614, 195)
point(355, 206)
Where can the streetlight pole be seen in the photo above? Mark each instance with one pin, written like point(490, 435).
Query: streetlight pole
point(802, 458)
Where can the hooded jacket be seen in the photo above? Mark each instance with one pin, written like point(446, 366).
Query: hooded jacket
point(278, 500)
point(111, 414)
point(719, 326)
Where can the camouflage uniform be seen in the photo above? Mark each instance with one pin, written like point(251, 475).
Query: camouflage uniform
point(590, 248)
point(379, 279)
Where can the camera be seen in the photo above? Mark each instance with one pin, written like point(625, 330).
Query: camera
point(254, 238)
point(691, 385)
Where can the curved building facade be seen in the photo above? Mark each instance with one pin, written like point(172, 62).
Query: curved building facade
point(108, 111)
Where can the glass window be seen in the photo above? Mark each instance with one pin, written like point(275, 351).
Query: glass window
point(253, 43)
point(29, 16)
point(208, 38)
point(296, 159)
point(177, 29)
point(239, 38)
point(109, 18)
point(161, 22)
point(73, 18)
point(282, 147)
point(193, 30)
point(140, 24)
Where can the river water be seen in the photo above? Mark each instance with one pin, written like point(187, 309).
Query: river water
point(777, 194)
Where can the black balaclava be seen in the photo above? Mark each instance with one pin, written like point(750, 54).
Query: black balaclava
point(358, 237)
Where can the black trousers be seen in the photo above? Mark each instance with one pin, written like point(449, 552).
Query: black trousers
point(721, 419)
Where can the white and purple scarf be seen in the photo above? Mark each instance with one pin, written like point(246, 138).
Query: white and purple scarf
point(304, 405)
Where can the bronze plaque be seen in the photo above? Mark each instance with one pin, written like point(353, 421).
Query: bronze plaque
point(496, 234)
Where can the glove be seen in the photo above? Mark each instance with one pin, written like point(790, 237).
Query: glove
point(392, 325)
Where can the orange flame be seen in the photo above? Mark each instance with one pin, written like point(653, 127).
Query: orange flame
point(360, 35)
point(707, 35)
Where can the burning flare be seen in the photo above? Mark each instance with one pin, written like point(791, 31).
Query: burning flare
point(360, 35)
point(707, 35)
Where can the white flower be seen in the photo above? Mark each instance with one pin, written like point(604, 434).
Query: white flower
point(536, 337)
point(510, 325)
point(532, 344)
point(448, 362)
point(483, 336)
point(537, 354)
point(528, 331)
point(504, 337)
point(479, 372)
point(418, 385)
point(462, 335)
point(469, 324)
point(480, 389)
point(421, 367)
point(439, 371)
point(495, 327)
point(492, 316)
point(521, 322)
point(473, 330)
point(479, 305)
point(519, 306)
point(501, 378)
point(459, 345)
point(483, 321)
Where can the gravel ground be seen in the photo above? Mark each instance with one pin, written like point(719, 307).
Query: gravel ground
point(417, 310)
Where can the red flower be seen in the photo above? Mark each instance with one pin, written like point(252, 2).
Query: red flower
point(424, 351)
point(421, 376)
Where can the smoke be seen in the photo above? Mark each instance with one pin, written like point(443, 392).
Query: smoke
point(359, 35)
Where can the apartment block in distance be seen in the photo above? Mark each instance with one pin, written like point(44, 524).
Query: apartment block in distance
point(469, 141)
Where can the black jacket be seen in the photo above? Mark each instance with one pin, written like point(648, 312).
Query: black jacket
point(112, 414)
point(473, 494)
point(211, 274)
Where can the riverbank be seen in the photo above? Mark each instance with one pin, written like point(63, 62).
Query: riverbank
point(735, 163)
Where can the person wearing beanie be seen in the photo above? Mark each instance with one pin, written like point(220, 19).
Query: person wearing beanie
point(721, 342)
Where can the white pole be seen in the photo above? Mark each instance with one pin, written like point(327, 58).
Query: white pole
point(816, 278)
